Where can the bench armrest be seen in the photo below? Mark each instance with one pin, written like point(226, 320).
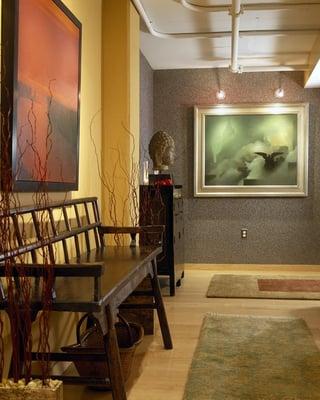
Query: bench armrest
point(133, 231)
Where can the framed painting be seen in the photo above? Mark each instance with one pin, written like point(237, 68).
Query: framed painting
point(41, 64)
point(251, 150)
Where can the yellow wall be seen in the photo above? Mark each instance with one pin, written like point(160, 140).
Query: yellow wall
point(89, 13)
point(120, 104)
point(134, 96)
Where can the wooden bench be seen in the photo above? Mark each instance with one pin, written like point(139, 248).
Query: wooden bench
point(89, 276)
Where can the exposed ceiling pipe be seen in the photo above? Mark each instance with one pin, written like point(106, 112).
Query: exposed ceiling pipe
point(145, 18)
point(200, 35)
point(247, 7)
point(235, 14)
point(226, 34)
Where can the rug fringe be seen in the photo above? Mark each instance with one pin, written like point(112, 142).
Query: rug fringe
point(216, 315)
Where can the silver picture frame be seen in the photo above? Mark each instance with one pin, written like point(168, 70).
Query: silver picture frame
point(251, 150)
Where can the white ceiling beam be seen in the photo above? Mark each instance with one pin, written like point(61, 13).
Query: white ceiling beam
point(312, 76)
point(274, 68)
point(275, 55)
point(246, 67)
point(223, 34)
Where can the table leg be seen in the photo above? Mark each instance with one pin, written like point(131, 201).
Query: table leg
point(164, 326)
point(113, 358)
point(172, 282)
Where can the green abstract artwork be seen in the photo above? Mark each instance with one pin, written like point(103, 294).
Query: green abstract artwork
point(251, 149)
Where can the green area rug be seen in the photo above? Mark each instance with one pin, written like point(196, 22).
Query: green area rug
point(254, 358)
point(265, 286)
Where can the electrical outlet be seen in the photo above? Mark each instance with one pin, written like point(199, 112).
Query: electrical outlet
point(244, 233)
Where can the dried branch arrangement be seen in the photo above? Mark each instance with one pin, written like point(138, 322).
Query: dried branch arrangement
point(122, 210)
point(17, 287)
point(143, 206)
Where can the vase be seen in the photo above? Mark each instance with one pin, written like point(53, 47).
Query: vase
point(22, 392)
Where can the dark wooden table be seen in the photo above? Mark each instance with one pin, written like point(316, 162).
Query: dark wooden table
point(124, 269)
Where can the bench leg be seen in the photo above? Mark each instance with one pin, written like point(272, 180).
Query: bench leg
point(113, 359)
point(164, 326)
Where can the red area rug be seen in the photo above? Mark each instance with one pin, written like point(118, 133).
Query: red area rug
point(265, 286)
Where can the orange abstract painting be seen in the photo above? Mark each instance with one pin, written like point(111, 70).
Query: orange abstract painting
point(46, 95)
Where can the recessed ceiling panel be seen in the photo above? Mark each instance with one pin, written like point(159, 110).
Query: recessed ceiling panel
point(282, 37)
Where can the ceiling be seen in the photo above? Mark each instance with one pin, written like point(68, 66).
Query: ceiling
point(248, 35)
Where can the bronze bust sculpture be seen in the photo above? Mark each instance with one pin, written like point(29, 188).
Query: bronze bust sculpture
point(161, 150)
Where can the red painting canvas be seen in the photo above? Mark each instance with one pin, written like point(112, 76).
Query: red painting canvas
point(46, 96)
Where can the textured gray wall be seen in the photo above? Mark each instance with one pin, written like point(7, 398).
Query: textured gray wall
point(280, 230)
point(146, 108)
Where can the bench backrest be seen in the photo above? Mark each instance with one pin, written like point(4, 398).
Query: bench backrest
point(65, 229)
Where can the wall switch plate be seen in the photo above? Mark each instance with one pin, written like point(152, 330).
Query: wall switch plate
point(244, 233)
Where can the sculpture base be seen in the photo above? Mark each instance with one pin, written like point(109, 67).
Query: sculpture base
point(161, 179)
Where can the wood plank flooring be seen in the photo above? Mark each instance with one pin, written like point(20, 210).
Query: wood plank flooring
point(160, 374)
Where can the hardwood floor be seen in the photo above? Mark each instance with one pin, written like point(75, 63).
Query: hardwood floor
point(160, 374)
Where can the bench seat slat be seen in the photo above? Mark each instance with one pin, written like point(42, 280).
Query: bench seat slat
point(84, 269)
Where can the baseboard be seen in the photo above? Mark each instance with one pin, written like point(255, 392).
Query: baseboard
point(253, 267)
